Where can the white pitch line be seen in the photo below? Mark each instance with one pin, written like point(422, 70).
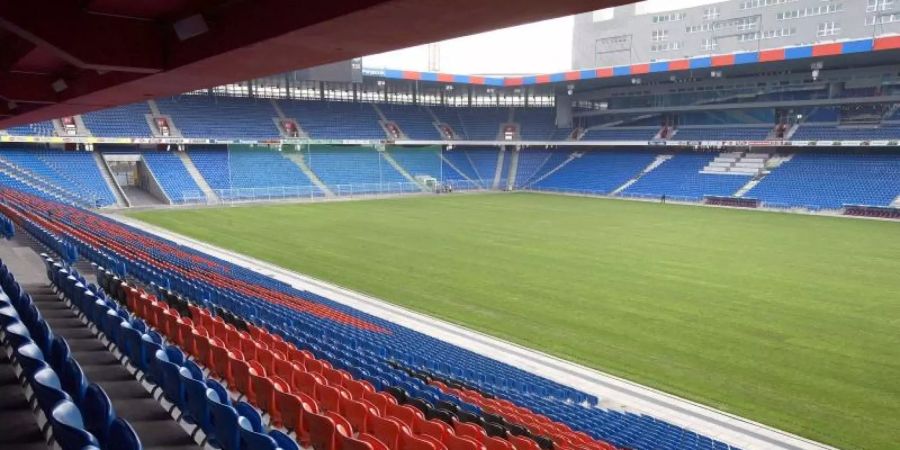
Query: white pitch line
point(720, 425)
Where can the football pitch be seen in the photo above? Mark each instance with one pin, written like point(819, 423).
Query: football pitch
point(789, 320)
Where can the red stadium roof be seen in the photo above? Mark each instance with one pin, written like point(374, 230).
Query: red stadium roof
point(64, 57)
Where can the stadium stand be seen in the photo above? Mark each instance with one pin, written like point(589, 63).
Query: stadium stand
point(597, 172)
point(533, 164)
point(722, 133)
point(419, 161)
point(330, 120)
point(173, 177)
point(128, 120)
point(476, 124)
point(539, 124)
point(75, 173)
point(680, 179)
point(265, 323)
point(44, 128)
point(201, 116)
point(831, 133)
point(829, 180)
point(363, 168)
point(414, 121)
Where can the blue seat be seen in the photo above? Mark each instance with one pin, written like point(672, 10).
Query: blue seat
point(223, 418)
point(196, 409)
point(284, 441)
point(170, 379)
point(131, 347)
point(73, 381)
point(99, 412)
point(8, 314)
point(47, 390)
point(123, 437)
point(30, 358)
point(17, 334)
point(147, 358)
point(41, 335)
point(253, 437)
point(112, 326)
point(59, 353)
point(68, 427)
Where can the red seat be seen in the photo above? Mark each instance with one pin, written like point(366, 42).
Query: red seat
point(407, 414)
point(373, 441)
point(349, 443)
point(322, 431)
point(470, 430)
point(495, 443)
point(357, 413)
point(186, 336)
point(385, 429)
point(264, 388)
point(380, 400)
point(411, 442)
point(455, 442)
point(305, 382)
point(329, 398)
point(249, 347)
point(285, 369)
point(356, 389)
point(201, 346)
point(219, 361)
point(314, 365)
point(434, 428)
point(335, 377)
point(438, 444)
point(293, 409)
point(265, 358)
point(240, 375)
point(255, 371)
point(523, 443)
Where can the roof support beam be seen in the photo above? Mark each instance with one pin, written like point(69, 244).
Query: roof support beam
point(88, 41)
point(27, 88)
point(14, 49)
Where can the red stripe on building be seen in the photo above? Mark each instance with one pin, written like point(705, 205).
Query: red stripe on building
point(679, 64)
point(604, 72)
point(886, 43)
point(573, 75)
point(827, 49)
point(637, 69)
point(446, 77)
point(513, 81)
point(722, 60)
point(410, 75)
point(542, 79)
point(476, 80)
point(771, 55)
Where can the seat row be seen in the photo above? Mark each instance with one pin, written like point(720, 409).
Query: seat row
point(80, 413)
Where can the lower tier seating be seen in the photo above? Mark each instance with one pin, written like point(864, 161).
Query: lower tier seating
point(680, 179)
point(597, 172)
point(173, 177)
point(279, 319)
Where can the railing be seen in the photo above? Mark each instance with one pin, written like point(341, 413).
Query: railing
point(339, 190)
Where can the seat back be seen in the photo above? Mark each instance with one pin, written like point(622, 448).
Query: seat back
point(224, 431)
point(68, 427)
point(322, 432)
point(48, 390)
point(123, 437)
point(252, 439)
point(73, 380)
point(196, 410)
point(31, 358)
point(386, 430)
point(98, 411)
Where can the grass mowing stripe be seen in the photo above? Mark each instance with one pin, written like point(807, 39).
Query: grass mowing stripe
point(789, 320)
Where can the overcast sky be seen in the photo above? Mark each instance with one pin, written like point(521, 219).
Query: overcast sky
point(540, 47)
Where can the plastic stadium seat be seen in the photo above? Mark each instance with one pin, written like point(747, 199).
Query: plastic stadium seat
point(380, 400)
point(386, 430)
point(170, 379)
point(73, 381)
point(30, 358)
point(357, 413)
point(98, 412)
point(349, 443)
point(48, 390)
point(434, 428)
point(17, 335)
point(495, 443)
point(411, 442)
point(475, 432)
point(253, 437)
point(68, 427)
point(123, 437)
point(373, 441)
point(59, 353)
point(329, 398)
point(264, 387)
point(322, 432)
point(407, 414)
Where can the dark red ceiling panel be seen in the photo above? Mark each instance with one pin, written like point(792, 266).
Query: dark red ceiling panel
point(132, 52)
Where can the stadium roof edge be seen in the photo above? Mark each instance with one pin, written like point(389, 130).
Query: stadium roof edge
point(825, 50)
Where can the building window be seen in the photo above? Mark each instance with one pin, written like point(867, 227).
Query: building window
point(711, 13)
point(810, 12)
point(709, 44)
point(883, 18)
point(752, 4)
point(672, 17)
point(659, 35)
point(666, 46)
point(828, 29)
point(879, 5)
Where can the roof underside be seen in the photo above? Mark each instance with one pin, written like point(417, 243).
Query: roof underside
point(65, 57)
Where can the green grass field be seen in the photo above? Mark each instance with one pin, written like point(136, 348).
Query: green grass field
point(790, 320)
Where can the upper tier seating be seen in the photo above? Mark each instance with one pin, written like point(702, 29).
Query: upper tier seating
point(283, 323)
point(414, 120)
point(173, 177)
point(476, 123)
point(598, 172)
point(830, 180)
point(76, 172)
point(44, 128)
point(363, 168)
point(680, 179)
point(539, 124)
point(334, 120)
point(123, 121)
point(832, 133)
point(722, 133)
point(620, 134)
point(201, 116)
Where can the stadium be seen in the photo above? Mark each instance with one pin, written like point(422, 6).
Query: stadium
point(225, 229)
